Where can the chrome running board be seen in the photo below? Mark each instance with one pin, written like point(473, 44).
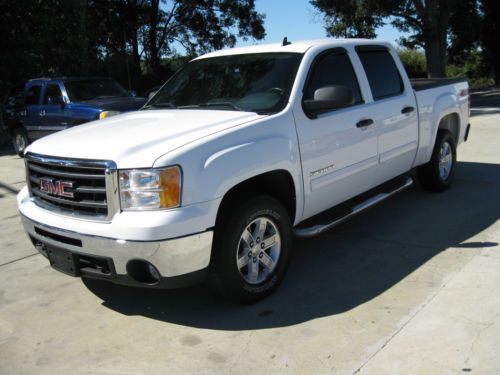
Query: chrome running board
point(315, 229)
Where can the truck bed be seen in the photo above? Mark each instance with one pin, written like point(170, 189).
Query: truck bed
point(420, 84)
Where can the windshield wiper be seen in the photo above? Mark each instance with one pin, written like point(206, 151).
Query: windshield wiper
point(217, 104)
point(160, 105)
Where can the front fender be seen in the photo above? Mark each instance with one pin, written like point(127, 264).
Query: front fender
point(231, 166)
point(214, 165)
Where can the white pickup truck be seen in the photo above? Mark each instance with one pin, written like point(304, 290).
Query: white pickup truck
point(238, 152)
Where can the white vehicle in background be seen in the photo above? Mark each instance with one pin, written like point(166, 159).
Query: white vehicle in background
point(239, 151)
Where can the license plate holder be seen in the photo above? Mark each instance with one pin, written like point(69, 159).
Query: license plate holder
point(63, 260)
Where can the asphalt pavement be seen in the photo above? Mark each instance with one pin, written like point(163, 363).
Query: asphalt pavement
point(410, 286)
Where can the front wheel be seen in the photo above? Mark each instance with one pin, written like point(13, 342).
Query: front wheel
point(438, 173)
point(20, 141)
point(251, 250)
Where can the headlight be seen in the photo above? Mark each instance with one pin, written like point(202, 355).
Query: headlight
point(106, 114)
point(150, 189)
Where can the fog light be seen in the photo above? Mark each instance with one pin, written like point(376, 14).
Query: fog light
point(143, 271)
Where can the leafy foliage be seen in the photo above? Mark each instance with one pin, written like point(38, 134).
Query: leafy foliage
point(430, 23)
point(414, 62)
point(128, 39)
point(490, 36)
point(350, 19)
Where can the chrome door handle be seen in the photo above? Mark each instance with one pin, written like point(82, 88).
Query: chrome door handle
point(406, 110)
point(42, 112)
point(364, 123)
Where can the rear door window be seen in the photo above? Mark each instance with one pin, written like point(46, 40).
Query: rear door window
point(33, 95)
point(382, 73)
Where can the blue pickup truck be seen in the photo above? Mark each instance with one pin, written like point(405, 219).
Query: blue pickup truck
point(46, 105)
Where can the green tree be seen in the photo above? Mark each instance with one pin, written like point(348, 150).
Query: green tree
point(414, 62)
point(121, 38)
point(490, 36)
point(198, 26)
point(429, 22)
point(350, 19)
point(41, 37)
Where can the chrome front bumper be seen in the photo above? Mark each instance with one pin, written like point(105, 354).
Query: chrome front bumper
point(173, 258)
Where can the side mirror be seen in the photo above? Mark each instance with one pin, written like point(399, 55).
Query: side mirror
point(328, 98)
point(132, 93)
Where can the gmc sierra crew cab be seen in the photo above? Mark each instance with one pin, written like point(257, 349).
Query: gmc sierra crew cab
point(238, 152)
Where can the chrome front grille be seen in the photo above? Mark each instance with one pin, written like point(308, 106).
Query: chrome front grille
point(93, 186)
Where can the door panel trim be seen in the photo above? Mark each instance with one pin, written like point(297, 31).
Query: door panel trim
point(321, 181)
point(400, 150)
point(46, 128)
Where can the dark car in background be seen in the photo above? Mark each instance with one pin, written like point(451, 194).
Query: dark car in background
point(46, 105)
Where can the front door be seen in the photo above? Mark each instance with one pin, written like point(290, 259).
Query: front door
point(34, 114)
point(338, 148)
point(55, 118)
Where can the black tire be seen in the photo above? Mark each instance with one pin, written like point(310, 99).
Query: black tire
point(230, 280)
point(429, 174)
point(20, 141)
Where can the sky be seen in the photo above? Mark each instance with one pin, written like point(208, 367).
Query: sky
point(299, 20)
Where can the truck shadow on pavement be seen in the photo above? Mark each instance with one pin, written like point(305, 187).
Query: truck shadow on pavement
point(342, 269)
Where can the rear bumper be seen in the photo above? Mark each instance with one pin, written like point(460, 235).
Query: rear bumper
point(179, 261)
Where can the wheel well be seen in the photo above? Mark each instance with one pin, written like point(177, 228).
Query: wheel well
point(11, 125)
point(278, 184)
point(452, 124)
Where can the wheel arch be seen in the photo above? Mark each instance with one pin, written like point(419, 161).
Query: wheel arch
point(449, 119)
point(278, 184)
point(451, 123)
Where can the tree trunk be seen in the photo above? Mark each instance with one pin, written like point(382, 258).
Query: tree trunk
point(496, 72)
point(491, 35)
point(436, 17)
point(84, 38)
point(436, 60)
point(135, 55)
point(154, 53)
point(435, 53)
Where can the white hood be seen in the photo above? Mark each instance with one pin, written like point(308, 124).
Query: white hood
point(137, 139)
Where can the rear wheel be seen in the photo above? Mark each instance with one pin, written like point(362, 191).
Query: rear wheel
point(251, 250)
point(20, 141)
point(438, 173)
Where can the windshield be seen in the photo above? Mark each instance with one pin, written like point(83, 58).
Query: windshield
point(258, 82)
point(93, 89)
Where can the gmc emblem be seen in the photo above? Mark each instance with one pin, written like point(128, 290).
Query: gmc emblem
point(56, 187)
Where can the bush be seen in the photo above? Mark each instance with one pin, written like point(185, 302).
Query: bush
point(414, 62)
point(470, 65)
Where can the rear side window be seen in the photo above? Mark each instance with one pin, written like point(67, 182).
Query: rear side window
point(382, 73)
point(52, 95)
point(33, 95)
point(333, 68)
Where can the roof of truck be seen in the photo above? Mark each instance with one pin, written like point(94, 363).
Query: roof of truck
point(294, 46)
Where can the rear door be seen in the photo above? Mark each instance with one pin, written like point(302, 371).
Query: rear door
point(393, 109)
point(338, 148)
point(34, 114)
